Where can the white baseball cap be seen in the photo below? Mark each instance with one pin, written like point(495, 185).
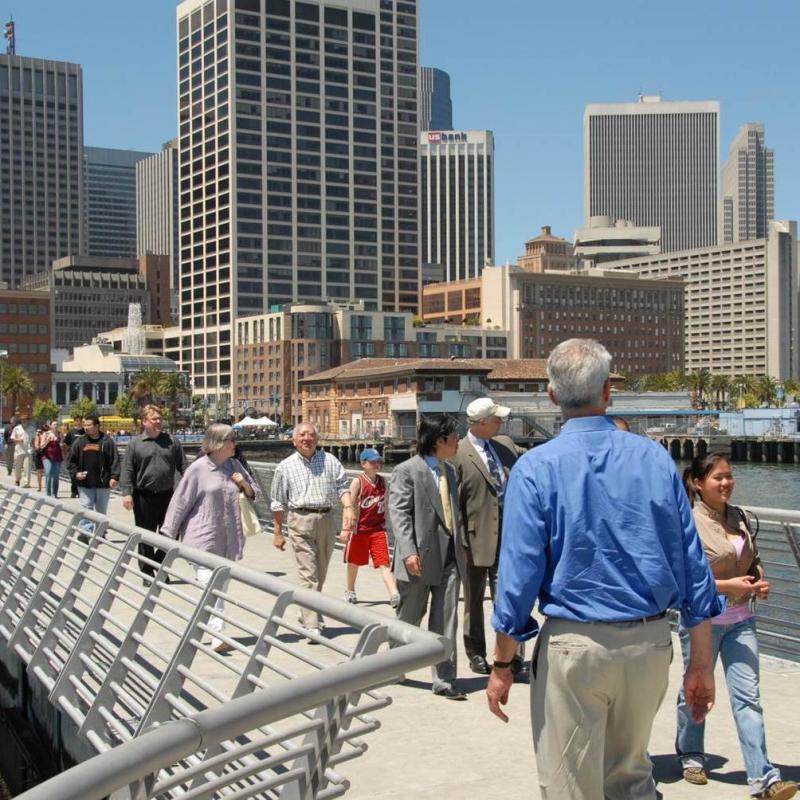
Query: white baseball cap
point(484, 408)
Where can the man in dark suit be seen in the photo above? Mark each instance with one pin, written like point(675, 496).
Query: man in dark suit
point(482, 464)
point(429, 544)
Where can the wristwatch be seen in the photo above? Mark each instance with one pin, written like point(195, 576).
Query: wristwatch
point(501, 664)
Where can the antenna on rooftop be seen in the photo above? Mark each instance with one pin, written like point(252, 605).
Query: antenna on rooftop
point(11, 39)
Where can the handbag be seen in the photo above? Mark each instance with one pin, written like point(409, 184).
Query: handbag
point(250, 524)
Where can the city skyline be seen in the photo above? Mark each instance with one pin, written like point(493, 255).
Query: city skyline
point(510, 74)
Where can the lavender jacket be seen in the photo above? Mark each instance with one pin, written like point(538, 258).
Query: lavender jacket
point(204, 511)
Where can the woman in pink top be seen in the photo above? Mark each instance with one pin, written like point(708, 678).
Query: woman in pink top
point(204, 510)
point(732, 553)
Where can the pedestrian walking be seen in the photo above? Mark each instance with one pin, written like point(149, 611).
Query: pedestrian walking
point(22, 452)
point(70, 437)
point(306, 487)
point(153, 461)
point(53, 457)
point(9, 444)
point(597, 526)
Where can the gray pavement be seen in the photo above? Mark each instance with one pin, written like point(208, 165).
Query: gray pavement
point(429, 747)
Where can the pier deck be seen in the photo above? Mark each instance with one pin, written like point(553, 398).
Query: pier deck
point(429, 747)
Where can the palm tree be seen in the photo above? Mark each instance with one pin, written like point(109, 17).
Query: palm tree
point(792, 387)
point(675, 380)
point(146, 386)
point(720, 385)
point(698, 383)
point(17, 383)
point(173, 387)
point(742, 385)
point(766, 388)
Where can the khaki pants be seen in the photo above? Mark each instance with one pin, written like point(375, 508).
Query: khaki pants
point(22, 468)
point(596, 691)
point(311, 536)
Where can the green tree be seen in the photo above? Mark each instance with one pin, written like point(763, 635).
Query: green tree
point(16, 383)
point(792, 387)
point(766, 389)
point(742, 386)
point(720, 385)
point(85, 407)
point(146, 386)
point(698, 383)
point(44, 410)
point(174, 387)
point(675, 380)
point(124, 406)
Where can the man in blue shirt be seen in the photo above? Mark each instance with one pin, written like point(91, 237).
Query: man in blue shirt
point(597, 526)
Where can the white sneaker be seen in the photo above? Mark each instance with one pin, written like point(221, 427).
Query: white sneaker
point(315, 632)
point(350, 597)
point(394, 600)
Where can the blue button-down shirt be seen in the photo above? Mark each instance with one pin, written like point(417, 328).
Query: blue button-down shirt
point(597, 525)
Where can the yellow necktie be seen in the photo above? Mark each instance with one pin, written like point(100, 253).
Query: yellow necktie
point(444, 493)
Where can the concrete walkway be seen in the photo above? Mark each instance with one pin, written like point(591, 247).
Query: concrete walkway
point(429, 747)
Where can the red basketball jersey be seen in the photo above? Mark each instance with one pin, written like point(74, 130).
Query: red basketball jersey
point(371, 505)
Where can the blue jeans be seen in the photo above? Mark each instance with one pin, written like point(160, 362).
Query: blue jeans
point(738, 647)
point(52, 471)
point(93, 500)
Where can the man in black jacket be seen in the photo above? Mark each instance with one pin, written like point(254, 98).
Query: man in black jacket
point(93, 462)
point(71, 437)
point(153, 460)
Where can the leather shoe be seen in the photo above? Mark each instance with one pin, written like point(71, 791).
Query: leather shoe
point(478, 664)
point(451, 693)
point(519, 669)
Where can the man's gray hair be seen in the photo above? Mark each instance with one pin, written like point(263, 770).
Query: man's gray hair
point(577, 370)
point(299, 425)
point(216, 436)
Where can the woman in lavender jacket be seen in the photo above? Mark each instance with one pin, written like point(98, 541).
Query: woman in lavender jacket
point(204, 511)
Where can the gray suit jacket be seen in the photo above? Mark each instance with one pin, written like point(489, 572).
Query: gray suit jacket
point(480, 510)
point(417, 517)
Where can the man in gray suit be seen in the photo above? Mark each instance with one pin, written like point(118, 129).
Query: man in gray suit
point(482, 464)
point(429, 545)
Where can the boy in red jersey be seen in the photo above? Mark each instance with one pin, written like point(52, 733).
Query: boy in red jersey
point(368, 493)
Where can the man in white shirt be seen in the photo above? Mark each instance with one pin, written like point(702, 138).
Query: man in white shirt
point(22, 452)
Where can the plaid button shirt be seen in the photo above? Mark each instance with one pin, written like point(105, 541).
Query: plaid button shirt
point(317, 482)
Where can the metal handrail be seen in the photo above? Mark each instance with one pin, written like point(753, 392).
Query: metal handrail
point(127, 665)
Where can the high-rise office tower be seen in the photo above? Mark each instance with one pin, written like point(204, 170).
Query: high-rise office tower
point(41, 164)
point(157, 208)
point(655, 164)
point(111, 201)
point(298, 162)
point(435, 105)
point(457, 201)
point(748, 186)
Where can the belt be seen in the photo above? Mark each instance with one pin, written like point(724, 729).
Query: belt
point(642, 621)
point(310, 510)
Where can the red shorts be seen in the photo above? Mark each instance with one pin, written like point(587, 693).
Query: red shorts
point(360, 546)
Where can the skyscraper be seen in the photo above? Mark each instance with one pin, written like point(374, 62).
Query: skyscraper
point(655, 164)
point(41, 164)
point(111, 201)
point(457, 201)
point(157, 208)
point(435, 105)
point(298, 162)
point(748, 186)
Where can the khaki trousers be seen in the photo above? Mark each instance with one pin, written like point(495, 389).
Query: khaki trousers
point(595, 690)
point(311, 536)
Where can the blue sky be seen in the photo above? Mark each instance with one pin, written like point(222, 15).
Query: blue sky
point(522, 68)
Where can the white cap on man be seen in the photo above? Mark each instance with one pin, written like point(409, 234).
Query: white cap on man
point(484, 408)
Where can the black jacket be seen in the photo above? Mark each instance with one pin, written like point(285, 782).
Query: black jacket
point(109, 462)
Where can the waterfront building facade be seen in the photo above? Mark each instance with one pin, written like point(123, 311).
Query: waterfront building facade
point(457, 201)
point(157, 211)
point(41, 165)
point(275, 351)
point(741, 302)
point(111, 201)
point(657, 164)
point(435, 105)
point(748, 186)
point(385, 397)
point(298, 163)
point(25, 340)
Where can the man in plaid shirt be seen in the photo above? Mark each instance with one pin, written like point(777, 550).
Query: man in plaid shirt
point(306, 487)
